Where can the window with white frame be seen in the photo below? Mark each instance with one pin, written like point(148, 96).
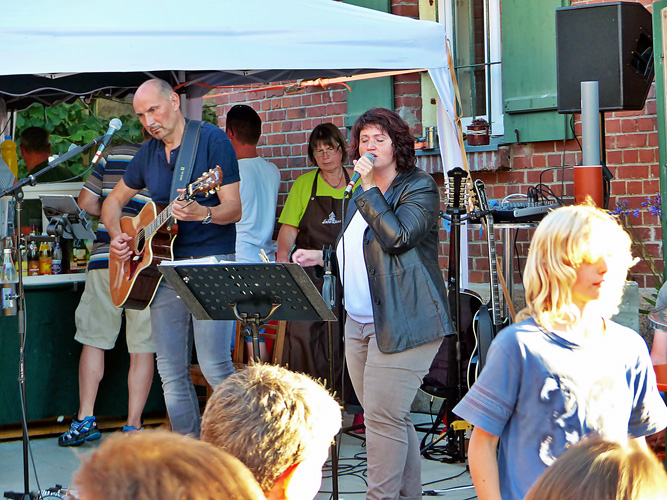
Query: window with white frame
point(473, 27)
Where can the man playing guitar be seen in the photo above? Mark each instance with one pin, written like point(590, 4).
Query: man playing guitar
point(205, 227)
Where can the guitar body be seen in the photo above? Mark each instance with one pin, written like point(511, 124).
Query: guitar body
point(134, 282)
point(442, 373)
point(484, 333)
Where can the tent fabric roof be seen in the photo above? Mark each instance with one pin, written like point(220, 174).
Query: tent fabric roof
point(57, 51)
point(211, 41)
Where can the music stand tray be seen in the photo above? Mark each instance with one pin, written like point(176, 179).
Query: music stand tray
point(250, 293)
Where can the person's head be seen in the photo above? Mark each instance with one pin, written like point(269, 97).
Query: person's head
point(595, 469)
point(326, 145)
point(243, 125)
point(158, 108)
point(385, 135)
point(165, 465)
point(278, 423)
point(34, 146)
point(579, 257)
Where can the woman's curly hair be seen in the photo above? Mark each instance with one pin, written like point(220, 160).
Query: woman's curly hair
point(403, 142)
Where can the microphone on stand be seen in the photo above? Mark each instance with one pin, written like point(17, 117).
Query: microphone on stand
point(355, 177)
point(114, 125)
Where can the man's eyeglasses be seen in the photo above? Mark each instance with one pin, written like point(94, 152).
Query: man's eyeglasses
point(321, 153)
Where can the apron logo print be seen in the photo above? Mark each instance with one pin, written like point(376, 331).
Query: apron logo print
point(331, 219)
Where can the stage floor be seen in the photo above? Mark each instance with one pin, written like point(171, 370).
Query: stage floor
point(56, 465)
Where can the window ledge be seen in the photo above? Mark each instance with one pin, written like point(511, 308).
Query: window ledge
point(427, 152)
point(488, 158)
point(494, 144)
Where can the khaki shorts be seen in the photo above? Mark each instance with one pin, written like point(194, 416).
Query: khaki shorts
point(98, 321)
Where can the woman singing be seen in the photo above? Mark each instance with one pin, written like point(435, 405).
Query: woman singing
point(395, 296)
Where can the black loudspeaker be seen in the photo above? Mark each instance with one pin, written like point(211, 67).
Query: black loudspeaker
point(611, 43)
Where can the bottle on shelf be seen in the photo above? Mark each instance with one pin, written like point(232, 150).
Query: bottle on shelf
point(79, 260)
point(24, 260)
point(44, 258)
point(8, 152)
point(57, 259)
point(8, 280)
point(33, 259)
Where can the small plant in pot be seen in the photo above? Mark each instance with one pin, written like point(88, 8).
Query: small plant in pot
point(478, 132)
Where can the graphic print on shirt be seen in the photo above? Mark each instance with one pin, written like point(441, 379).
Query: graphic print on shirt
point(563, 430)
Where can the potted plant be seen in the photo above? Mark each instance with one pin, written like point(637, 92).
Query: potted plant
point(478, 132)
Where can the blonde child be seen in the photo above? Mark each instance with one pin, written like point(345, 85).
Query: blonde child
point(565, 370)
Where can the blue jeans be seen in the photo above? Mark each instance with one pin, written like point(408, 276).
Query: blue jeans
point(174, 329)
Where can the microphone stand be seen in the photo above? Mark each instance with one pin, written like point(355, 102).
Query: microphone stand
point(329, 296)
point(457, 216)
point(32, 179)
point(16, 191)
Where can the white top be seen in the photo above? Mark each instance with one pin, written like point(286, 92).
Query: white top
point(356, 289)
point(259, 185)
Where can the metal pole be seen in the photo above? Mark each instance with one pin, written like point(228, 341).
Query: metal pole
point(590, 123)
point(588, 176)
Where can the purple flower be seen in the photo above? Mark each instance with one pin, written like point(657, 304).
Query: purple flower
point(621, 210)
point(653, 206)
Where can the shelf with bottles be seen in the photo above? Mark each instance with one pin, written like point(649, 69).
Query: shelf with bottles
point(72, 270)
point(50, 257)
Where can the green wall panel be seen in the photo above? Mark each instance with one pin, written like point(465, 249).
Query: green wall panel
point(659, 59)
point(529, 71)
point(375, 93)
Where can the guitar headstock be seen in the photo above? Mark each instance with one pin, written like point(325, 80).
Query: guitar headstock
point(458, 180)
point(208, 183)
point(480, 193)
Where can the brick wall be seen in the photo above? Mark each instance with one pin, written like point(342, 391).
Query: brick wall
point(631, 142)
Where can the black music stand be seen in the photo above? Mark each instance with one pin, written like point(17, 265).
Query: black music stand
point(250, 293)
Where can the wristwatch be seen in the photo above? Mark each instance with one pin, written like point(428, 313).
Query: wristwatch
point(208, 217)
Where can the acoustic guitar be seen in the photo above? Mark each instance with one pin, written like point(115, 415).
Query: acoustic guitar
point(133, 282)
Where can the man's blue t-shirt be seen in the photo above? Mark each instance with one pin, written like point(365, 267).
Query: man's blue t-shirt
point(150, 169)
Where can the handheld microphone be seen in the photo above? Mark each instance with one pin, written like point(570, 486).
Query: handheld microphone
point(114, 125)
point(355, 177)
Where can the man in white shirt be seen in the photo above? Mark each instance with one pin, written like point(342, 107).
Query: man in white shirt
point(259, 185)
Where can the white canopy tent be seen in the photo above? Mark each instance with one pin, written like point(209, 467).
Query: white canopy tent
point(54, 50)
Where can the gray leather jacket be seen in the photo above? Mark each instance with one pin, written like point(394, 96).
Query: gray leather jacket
point(408, 292)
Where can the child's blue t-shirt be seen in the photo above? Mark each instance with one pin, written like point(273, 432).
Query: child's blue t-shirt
point(541, 391)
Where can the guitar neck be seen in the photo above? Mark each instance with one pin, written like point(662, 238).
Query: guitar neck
point(158, 222)
point(493, 271)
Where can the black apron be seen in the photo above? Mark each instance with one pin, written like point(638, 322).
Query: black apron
point(306, 343)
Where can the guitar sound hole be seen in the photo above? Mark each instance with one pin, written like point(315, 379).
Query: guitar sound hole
point(141, 242)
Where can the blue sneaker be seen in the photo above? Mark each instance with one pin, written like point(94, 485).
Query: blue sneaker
point(129, 429)
point(79, 432)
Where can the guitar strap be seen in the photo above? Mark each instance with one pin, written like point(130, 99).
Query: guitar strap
point(185, 159)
